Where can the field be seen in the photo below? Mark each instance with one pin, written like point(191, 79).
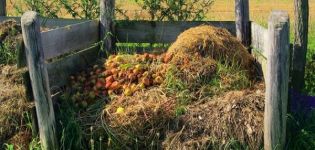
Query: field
point(224, 10)
point(147, 100)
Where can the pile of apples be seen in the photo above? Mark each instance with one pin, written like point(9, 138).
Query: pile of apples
point(129, 73)
point(120, 74)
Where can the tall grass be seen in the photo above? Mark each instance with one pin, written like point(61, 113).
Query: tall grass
point(301, 131)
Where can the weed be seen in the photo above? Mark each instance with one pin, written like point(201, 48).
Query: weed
point(35, 144)
point(176, 10)
point(300, 131)
point(7, 55)
point(71, 135)
point(310, 78)
point(49, 9)
point(83, 9)
point(9, 146)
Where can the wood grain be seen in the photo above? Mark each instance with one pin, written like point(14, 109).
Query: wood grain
point(39, 79)
point(74, 37)
point(277, 80)
point(301, 17)
point(259, 44)
point(49, 23)
point(59, 71)
point(3, 10)
point(107, 16)
point(160, 32)
point(242, 21)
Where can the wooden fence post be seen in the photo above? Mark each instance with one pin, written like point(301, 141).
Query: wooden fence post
point(242, 21)
point(277, 80)
point(107, 15)
point(3, 10)
point(301, 15)
point(39, 79)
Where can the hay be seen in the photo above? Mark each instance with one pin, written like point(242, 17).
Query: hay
point(236, 114)
point(209, 41)
point(145, 115)
point(196, 56)
point(12, 102)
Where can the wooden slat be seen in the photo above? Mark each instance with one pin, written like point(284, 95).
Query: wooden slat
point(49, 23)
point(260, 42)
point(277, 81)
point(62, 40)
point(160, 32)
point(259, 37)
point(60, 71)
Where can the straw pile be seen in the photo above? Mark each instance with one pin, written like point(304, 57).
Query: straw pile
point(151, 113)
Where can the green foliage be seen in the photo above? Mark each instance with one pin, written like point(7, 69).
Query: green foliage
point(83, 9)
point(228, 77)
point(310, 78)
point(176, 10)
point(9, 146)
point(49, 9)
point(300, 131)
point(7, 55)
point(71, 133)
point(35, 144)
point(181, 110)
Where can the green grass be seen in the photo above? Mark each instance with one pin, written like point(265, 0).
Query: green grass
point(300, 131)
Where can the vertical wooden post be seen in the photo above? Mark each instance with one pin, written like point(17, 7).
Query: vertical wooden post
point(21, 63)
point(277, 80)
point(242, 21)
point(107, 15)
point(301, 15)
point(3, 10)
point(39, 79)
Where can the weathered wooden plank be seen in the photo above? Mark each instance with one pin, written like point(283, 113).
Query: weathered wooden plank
point(160, 32)
point(259, 37)
point(39, 79)
point(3, 10)
point(60, 71)
point(49, 23)
point(242, 21)
point(107, 16)
point(260, 43)
point(62, 40)
point(301, 19)
point(277, 80)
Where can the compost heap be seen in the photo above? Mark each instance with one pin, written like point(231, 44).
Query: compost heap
point(158, 97)
point(13, 108)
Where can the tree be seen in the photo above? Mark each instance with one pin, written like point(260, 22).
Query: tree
point(301, 14)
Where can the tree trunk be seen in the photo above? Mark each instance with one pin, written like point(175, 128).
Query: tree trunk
point(301, 15)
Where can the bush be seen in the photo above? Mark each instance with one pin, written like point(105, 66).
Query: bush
point(49, 9)
point(310, 78)
point(176, 10)
point(83, 9)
